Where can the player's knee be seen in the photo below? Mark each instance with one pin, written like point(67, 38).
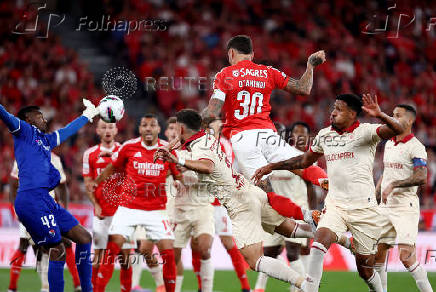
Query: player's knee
point(325, 236)
point(85, 238)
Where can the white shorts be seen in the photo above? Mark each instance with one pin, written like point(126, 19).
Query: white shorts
point(364, 224)
point(256, 148)
point(23, 232)
point(223, 224)
point(192, 223)
point(100, 233)
point(400, 225)
point(155, 223)
point(252, 216)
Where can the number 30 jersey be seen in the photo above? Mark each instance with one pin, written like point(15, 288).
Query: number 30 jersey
point(246, 89)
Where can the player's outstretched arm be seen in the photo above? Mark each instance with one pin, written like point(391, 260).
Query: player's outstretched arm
point(105, 174)
point(304, 84)
point(391, 128)
point(10, 120)
point(72, 128)
point(299, 162)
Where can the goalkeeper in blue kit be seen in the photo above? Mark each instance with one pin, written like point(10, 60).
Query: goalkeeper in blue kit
point(45, 220)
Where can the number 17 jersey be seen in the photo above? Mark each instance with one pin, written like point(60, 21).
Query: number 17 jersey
point(246, 89)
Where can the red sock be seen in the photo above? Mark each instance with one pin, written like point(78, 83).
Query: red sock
point(126, 279)
point(313, 174)
point(196, 265)
point(169, 269)
point(94, 275)
point(16, 263)
point(71, 264)
point(107, 266)
point(239, 265)
point(285, 206)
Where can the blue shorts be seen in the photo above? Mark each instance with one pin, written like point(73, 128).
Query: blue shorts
point(44, 219)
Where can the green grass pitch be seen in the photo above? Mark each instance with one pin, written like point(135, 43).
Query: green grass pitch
point(226, 281)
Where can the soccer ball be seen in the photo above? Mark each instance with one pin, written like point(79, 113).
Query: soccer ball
point(111, 108)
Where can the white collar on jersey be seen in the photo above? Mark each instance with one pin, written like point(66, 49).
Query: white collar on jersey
point(102, 148)
point(150, 147)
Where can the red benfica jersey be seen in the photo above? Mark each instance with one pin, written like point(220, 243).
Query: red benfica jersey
point(136, 159)
point(246, 89)
point(93, 165)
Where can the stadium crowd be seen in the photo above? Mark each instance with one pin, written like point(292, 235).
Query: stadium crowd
point(399, 70)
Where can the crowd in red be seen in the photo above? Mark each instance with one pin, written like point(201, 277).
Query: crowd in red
point(188, 46)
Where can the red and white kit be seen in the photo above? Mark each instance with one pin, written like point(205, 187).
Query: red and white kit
point(148, 207)
point(245, 89)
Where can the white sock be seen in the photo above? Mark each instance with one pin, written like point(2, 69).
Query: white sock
point(156, 273)
point(206, 275)
point(374, 283)
point(136, 269)
point(179, 283)
point(305, 260)
point(420, 276)
point(279, 270)
point(316, 260)
point(299, 268)
point(261, 281)
point(44, 272)
point(299, 232)
point(381, 271)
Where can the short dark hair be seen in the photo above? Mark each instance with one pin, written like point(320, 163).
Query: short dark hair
point(241, 43)
point(150, 116)
point(291, 129)
point(190, 118)
point(352, 100)
point(171, 120)
point(407, 107)
point(22, 113)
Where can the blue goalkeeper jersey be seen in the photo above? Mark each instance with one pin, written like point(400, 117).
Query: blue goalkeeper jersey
point(33, 154)
point(32, 150)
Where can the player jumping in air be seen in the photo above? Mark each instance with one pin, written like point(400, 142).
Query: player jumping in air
point(243, 90)
point(246, 204)
point(405, 168)
point(44, 219)
point(349, 149)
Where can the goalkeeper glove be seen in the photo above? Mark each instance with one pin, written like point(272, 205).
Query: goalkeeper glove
point(90, 111)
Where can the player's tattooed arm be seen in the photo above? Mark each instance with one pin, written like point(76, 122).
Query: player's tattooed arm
point(305, 83)
point(213, 110)
point(418, 178)
point(391, 126)
point(298, 162)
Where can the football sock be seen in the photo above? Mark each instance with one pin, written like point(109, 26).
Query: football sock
point(420, 276)
point(126, 279)
point(278, 269)
point(206, 274)
point(374, 283)
point(196, 265)
point(43, 271)
point(317, 253)
point(136, 269)
point(239, 266)
point(299, 232)
point(179, 283)
point(107, 266)
point(169, 269)
point(261, 281)
point(380, 268)
point(16, 264)
point(156, 273)
point(71, 264)
point(84, 265)
point(314, 174)
point(56, 276)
